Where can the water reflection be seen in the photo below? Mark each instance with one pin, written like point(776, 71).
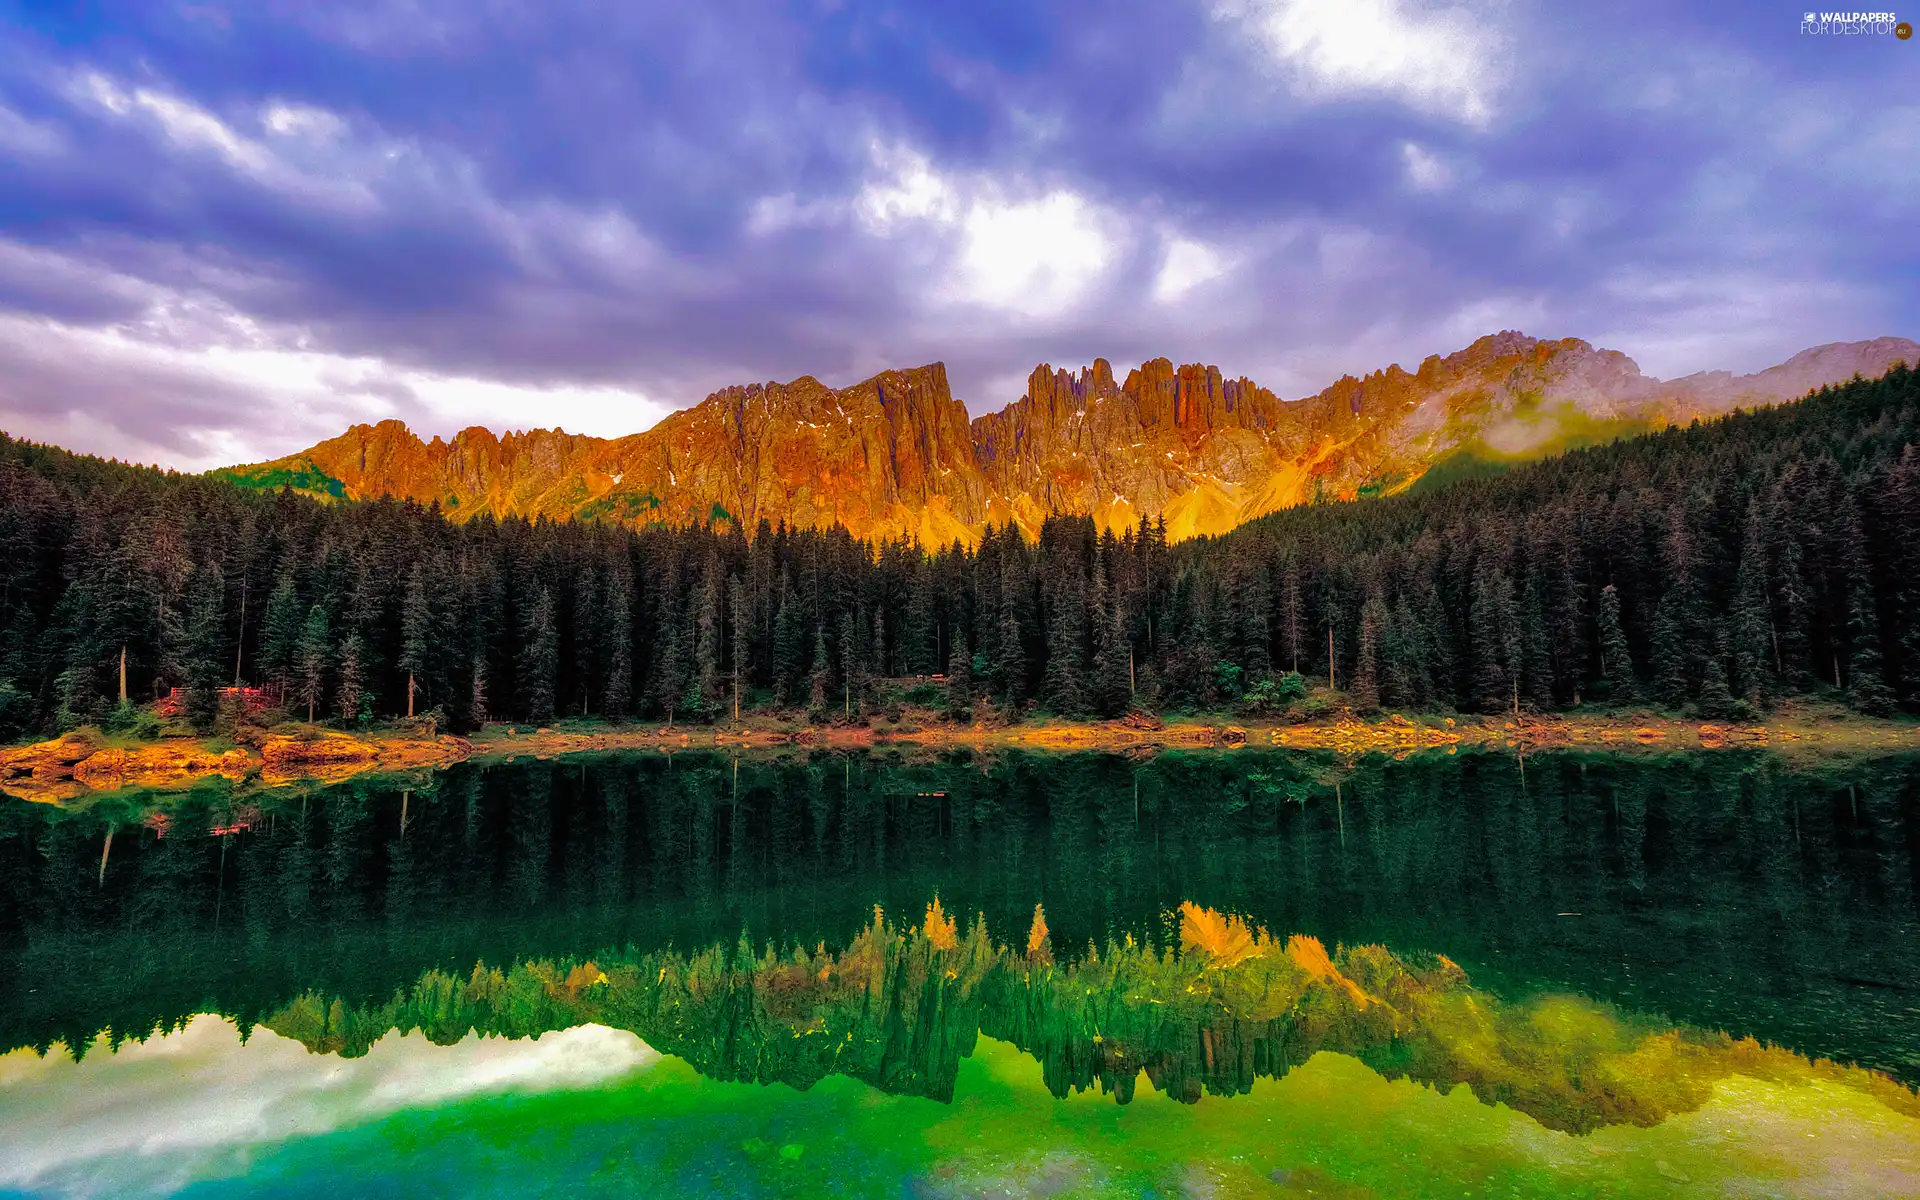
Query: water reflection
point(1725, 893)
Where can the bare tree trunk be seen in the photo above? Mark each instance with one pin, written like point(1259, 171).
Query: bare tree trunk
point(123, 674)
point(409, 693)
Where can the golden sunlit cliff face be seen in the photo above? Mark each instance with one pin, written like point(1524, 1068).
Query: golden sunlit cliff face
point(896, 455)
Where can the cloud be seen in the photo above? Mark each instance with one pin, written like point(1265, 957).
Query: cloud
point(235, 235)
point(1033, 255)
point(1187, 265)
point(1444, 61)
point(157, 1115)
point(193, 129)
point(1426, 171)
point(202, 406)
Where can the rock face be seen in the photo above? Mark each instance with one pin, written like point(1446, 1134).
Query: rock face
point(896, 456)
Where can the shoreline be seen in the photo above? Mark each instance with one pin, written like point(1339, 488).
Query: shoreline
point(86, 764)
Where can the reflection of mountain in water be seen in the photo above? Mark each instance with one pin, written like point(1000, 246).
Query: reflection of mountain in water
point(1727, 892)
point(899, 1007)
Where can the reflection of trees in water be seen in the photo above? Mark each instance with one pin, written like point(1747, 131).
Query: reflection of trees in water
point(898, 1008)
point(1726, 891)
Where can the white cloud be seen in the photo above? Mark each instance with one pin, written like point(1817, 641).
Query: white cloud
point(257, 395)
point(1029, 254)
point(1443, 61)
point(183, 1106)
point(332, 179)
point(302, 120)
point(1427, 171)
point(905, 188)
point(775, 214)
point(1035, 257)
point(1186, 265)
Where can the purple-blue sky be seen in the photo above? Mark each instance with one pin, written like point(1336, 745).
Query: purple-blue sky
point(228, 230)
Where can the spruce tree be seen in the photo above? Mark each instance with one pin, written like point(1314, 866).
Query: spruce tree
point(817, 672)
point(311, 651)
point(615, 620)
point(1867, 688)
point(918, 626)
point(477, 690)
point(1111, 692)
point(1668, 649)
point(1536, 658)
point(789, 643)
point(1716, 697)
point(706, 692)
point(739, 620)
point(1616, 663)
point(670, 674)
point(1366, 671)
point(280, 634)
point(539, 658)
point(349, 694)
point(851, 673)
point(416, 634)
point(1292, 611)
point(1065, 675)
point(1010, 657)
point(203, 657)
point(1751, 633)
point(1496, 638)
point(959, 672)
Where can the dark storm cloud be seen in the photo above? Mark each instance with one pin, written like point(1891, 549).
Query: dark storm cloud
point(661, 199)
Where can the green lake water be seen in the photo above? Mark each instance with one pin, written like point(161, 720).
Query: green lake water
point(1258, 974)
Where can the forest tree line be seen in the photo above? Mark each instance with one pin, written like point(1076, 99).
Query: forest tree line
point(1713, 568)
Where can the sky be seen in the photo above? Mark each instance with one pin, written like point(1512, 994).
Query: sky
point(230, 230)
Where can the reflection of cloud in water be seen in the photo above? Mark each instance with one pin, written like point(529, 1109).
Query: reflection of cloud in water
point(163, 1112)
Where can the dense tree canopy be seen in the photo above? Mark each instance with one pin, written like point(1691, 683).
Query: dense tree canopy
point(1716, 566)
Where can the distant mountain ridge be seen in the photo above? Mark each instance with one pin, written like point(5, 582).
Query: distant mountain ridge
point(897, 456)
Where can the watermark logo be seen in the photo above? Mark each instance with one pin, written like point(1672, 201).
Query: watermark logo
point(1855, 24)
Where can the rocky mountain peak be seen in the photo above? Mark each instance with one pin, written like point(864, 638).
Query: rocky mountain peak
point(896, 455)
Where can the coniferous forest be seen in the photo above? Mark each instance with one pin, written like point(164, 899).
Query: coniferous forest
point(1713, 569)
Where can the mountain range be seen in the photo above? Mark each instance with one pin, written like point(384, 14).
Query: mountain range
point(897, 455)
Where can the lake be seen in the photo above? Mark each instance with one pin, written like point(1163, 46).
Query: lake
point(1237, 973)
